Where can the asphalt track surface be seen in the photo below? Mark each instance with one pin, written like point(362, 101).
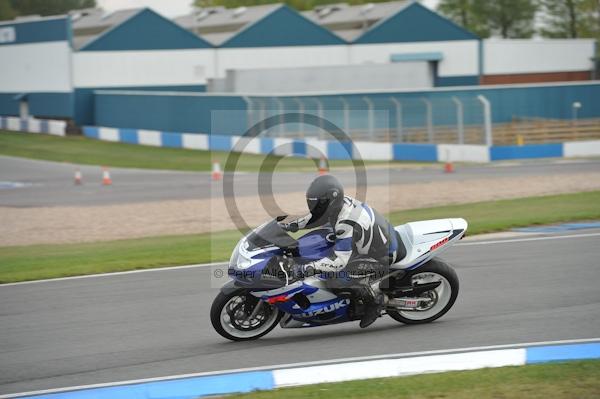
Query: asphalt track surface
point(151, 324)
point(51, 184)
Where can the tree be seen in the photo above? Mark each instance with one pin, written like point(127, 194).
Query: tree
point(49, 7)
point(509, 18)
point(463, 12)
point(460, 11)
point(590, 26)
point(563, 18)
point(6, 10)
point(589, 19)
point(505, 18)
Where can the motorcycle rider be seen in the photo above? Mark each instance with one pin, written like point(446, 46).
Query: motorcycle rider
point(360, 231)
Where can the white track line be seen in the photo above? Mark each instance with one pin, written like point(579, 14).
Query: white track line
point(176, 268)
point(158, 269)
point(464, 244)
point(305, 364)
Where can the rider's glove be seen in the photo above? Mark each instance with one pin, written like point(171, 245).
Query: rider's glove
point(298, 272)
point(291, 227)
point(309, 270)
point(303, 271)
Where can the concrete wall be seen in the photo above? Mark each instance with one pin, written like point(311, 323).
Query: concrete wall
point(143, 68)
point(279, 57)
point(405, 75)
point(179, 67)
point(537, 56)
point(460, 57)
point(503, 61)
point(459, 66)
point(36, 67)
point(164, 70)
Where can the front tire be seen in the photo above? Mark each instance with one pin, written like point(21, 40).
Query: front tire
point(445, 294)
point(231, 318)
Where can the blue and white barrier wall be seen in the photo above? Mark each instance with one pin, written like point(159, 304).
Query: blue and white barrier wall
point(313, 147)
point(31, 125)
point(238, 381)
point(276, 145)
point(554, 150)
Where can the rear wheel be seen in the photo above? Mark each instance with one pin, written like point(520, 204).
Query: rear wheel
point(239, 316)
point(441, 298)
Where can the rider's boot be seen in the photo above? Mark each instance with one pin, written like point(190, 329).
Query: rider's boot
point(374, 304)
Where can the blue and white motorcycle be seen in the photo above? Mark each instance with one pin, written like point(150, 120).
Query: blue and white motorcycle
point(263, 291)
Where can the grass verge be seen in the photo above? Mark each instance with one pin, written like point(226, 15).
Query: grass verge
point(34, 262)
point(86, 151)
point(492, 216)
point(557, 381)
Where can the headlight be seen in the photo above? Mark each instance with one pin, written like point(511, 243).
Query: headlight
point(243, 262)
point(238, 260)
point(233, 261)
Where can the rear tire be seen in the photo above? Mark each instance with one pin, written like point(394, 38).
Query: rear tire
point(231, 329)
point(434, 267)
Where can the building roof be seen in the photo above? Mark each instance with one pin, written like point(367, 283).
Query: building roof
point(97, 19)
point(393, 21)
point(89, 23)
point(351, 21)
point(256, 26)
point(283, 26)
point(219, 24)
point(145, 30)
point(414, 23)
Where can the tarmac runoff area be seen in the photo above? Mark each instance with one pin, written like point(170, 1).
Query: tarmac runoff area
point(37, 196)
point(33, 183)
point(528, 287)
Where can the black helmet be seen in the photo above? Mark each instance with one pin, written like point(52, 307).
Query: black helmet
point(325, 198)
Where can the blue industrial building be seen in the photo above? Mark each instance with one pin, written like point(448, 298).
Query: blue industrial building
point(35, 67)
point(76, 67)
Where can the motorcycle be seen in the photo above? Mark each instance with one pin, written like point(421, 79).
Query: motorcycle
point(263, 292)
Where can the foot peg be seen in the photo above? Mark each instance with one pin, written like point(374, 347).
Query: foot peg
point(372, 311)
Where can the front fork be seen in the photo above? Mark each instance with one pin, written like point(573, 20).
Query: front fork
point(252, 305)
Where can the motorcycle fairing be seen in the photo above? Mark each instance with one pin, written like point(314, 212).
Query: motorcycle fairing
point(426, 239)
point(423, 241)
point(325, 307)
point(316, 245)
point(249, 260)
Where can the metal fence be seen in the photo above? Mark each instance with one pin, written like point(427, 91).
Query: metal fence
point(383, 119)
point(453, 120)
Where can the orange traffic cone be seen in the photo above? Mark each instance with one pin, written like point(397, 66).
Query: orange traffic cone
point(78, 177)
point(216, 171)
point(448, 166)
point(106, 180)
point(323, 167)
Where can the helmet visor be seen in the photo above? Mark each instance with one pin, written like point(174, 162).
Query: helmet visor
point(318, 209)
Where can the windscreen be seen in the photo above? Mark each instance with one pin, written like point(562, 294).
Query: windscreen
point(270, 234)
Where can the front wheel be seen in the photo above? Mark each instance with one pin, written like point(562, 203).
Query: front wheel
point(239, 316)
point(441, 298)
